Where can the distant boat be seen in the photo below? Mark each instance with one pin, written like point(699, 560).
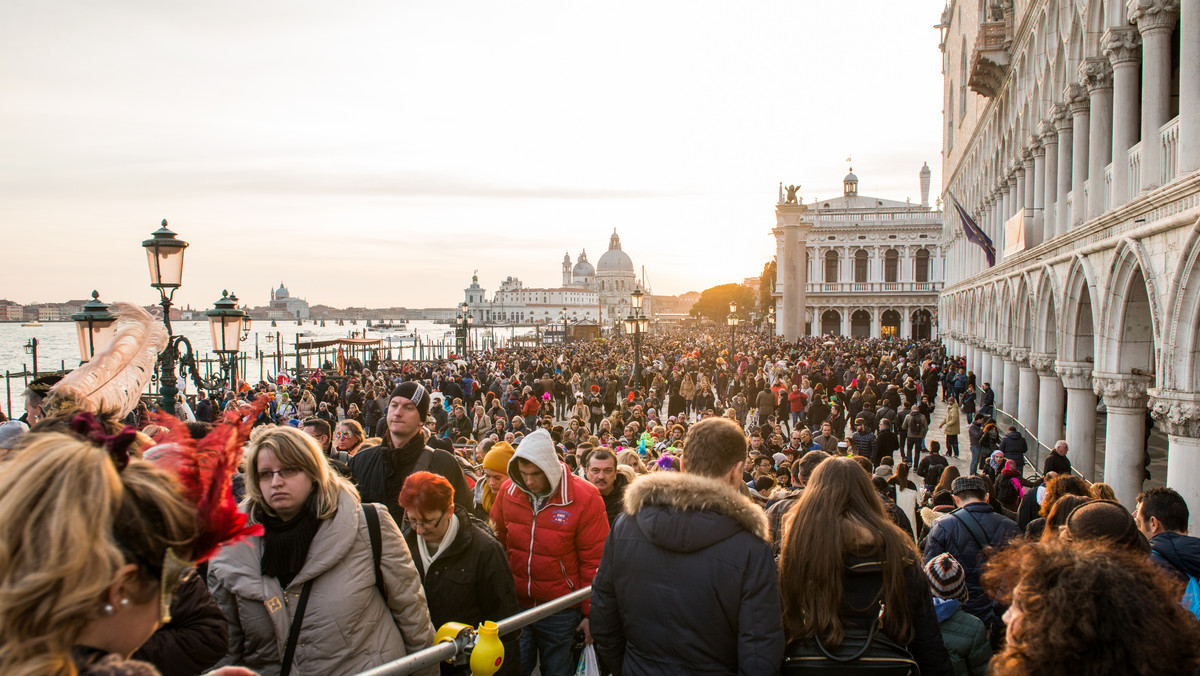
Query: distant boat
point(305, 334)
point(34, 324)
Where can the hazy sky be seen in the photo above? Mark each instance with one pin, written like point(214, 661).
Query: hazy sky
point(376, 152)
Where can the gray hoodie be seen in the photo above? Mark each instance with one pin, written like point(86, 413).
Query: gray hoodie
point(537, 448)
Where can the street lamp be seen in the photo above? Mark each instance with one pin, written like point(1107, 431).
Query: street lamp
point(95, 326)
point(637, 324)
point(732, 319)
point(164, 255)
point(463, 326)
point(31, 348)
point(771, 319)
point(228, 326)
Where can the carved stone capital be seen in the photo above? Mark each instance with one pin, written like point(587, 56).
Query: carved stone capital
point(1096, 73)
point(1122, 45)
point(1048, 133)
point(1027, 158)
point(1003, 186)
point(1153, 15)
point(1121, 390)
point(1021, 356)
point(1077, 99)
point(1043, 362)
point(1060, 115)
point(1176, 413)
point(1003, 351)
point(1076, 375)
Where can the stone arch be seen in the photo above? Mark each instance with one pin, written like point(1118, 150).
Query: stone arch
point(1129, 321)
point(1023, 318)
point(1045, 339)
point(1181, 339)
point(1079, 313)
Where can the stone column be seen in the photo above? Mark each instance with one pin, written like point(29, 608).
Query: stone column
point(1050, 186)
point(1012, 382)
point(1050, 400)
point(1027, 400)
point(1123, 48)
point(1178, 414)
point(1124, 439)
point(1189, 86)
point(1061, 118)
point(1080, 106)
point(1096, 75)
point(1155, 20)
point(793, 228)
point(998, 374)
point(976, 358)
point(1081, 416)
point(845, 312)
point(1024, 172)
point(984, 374)
point(1035, 175)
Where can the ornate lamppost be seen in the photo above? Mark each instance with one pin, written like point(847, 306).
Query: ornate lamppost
point(732, 319)
point(95, 326)
point(164, 255)
point(229, 326)
point(31, 348)
point(463, 327)
point(636, 324)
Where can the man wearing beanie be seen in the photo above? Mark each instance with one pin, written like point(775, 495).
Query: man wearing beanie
point(552, 524)
point(380, 471)
point(965, 636)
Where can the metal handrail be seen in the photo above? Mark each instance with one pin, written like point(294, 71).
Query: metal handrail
point(452, 649)
point(1037, 441)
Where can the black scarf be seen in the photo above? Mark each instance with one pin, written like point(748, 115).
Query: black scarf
point(286, 543)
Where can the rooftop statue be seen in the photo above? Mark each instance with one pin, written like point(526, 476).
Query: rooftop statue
point(791, 194)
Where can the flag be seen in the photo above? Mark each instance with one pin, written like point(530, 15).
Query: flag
point(975, 234)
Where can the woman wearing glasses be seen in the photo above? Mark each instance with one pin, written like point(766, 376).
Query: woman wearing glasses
point(316, 543)
point(464, 568)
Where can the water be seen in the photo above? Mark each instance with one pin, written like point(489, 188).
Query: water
point(58, 346)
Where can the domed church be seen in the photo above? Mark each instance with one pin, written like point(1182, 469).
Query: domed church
point(613, 278)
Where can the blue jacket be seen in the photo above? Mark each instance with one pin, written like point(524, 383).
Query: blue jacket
point(1177, 554)
point(950, 535)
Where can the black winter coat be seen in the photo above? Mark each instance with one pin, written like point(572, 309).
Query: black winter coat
point(469, 583)
point(687, 583)
point(380, 478)
point(195, 639)
point(949, 534)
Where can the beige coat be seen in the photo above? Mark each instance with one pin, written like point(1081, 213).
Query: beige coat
point(687, 389)
point(347, 626)
point(950, 425)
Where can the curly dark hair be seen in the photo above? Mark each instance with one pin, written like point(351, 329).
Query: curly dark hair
point(1090, 608)
point(1065, 484)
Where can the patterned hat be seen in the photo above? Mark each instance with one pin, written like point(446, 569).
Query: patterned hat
point(968, 483)
point(947, 578)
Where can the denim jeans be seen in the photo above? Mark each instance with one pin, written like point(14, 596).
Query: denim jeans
point(975, 460)
point(912, 449)
point(549, 640)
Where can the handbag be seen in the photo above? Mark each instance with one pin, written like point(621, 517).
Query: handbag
point(861, 653)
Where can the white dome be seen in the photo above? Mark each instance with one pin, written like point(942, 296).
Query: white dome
point(281, 292)
point(583, 268)
point(615, 260)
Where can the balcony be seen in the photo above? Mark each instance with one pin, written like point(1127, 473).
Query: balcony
point(989, 59)
point(1135, 169)
point(1168, 135)
point(873, 287)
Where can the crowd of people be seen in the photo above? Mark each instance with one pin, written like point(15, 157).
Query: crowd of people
point(781, 508)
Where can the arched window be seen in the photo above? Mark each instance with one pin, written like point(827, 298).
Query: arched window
point(891, 266)
point(861, 265)
point(921, 270)
point(831, 266)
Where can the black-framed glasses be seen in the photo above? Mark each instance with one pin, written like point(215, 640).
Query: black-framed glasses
point(424, 524)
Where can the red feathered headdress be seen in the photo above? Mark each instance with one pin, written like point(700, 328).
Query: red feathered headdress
point(205, 468)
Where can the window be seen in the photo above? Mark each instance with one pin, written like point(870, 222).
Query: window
point(891, 266)
point(950, 119)
point(962, 82)
point(860, 266)
point(922, 268)
point(831, 266)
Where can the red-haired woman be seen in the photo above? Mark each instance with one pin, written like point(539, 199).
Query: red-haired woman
point(462, 565)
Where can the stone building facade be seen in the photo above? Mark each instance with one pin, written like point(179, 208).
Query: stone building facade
point(871, 267)
point(1073, 140)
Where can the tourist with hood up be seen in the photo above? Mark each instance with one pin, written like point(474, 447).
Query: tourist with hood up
point(552, 525)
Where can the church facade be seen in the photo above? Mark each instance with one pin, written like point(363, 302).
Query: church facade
point(284, 306)
point(598, 293)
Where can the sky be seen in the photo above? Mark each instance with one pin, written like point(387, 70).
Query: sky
point(377, 152)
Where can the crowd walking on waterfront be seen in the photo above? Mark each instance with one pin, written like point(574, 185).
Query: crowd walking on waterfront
point(754, 508)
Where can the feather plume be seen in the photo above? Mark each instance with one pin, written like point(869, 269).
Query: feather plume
point(205, 470)
point(114, 379)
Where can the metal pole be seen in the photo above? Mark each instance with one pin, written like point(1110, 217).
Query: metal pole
point(8, 389)
point(637, 357)
point(34, 342)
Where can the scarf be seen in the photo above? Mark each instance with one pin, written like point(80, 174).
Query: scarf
point(286, 543)
point(423, 549)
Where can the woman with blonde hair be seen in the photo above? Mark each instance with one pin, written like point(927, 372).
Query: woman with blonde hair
point(308, 405)
point(349, 437)
point(93, 549)
point(317, 542)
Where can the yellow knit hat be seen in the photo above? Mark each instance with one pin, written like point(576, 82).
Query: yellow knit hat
point(497, 458)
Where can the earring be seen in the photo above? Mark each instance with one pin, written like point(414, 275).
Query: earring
point(107, 610)
point(124, 603)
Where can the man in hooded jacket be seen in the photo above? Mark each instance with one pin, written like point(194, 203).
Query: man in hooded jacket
point(690, 557)
point(552, 525)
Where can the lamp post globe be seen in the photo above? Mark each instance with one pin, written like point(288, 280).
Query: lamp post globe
point(95, 327)
point(225, 321)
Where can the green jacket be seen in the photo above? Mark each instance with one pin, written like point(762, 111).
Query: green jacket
point(965, 638)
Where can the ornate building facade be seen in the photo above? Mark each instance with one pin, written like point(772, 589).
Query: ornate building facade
point(599, 294)
point(870, 267)
point(284, 306)
point(1072, 137)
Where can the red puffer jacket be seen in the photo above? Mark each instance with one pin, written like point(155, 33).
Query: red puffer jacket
point(557, 550)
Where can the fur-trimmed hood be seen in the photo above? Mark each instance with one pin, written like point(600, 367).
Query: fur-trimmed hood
point(687, 512)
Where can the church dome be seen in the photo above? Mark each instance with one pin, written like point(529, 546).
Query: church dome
point(281, 292)
point(615, 260)
point(583, 268)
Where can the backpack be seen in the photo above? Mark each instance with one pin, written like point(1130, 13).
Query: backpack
point(1191, 593)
